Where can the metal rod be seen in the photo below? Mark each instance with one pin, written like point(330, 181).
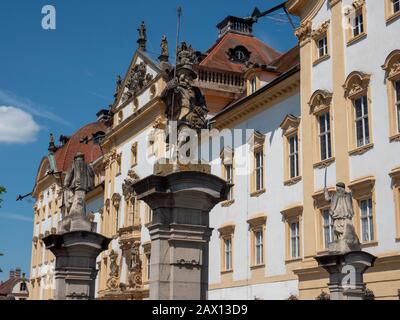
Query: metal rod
point(178, 29)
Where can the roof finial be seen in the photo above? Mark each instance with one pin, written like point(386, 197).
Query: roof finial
point(164, 49)
point(142, 37)
point(52, 146)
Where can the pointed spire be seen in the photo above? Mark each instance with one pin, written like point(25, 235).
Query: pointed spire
point(164, 56)
point(142, 37)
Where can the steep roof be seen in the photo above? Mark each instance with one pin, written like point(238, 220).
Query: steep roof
point(64, 156)
point(287, 60)
point(8, 286)
point(217, 56)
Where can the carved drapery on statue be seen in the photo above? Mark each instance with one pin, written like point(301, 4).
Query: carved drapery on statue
point(138, 78)
point(342, 212)
point(78, 181)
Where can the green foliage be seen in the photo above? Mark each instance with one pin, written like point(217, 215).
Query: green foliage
point(2, 190)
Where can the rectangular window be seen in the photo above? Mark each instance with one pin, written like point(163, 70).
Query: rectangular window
point(323, 46)
point(294, 240)
point(294, 156)
point(259, 256)
point(358, 27)
point(325, 136)
point(228, 253)
point(367, 222)
point(229, 178)
point(328, 227)
point(397, 84)
point(361, 121)
point(396, 6)
point(259, 170)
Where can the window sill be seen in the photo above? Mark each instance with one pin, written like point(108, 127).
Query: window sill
point(257, 193)
point(258, 266)
point(369, 244)
point(324, 163)
point(395, 138)
point(355, 39)
point(133, 165)
point(392, 17)
point(293, 260)
point(321, 59)
point(292, 181)
point(361, 150)
point(227, 203)
point(227, 271)
point(397, 239)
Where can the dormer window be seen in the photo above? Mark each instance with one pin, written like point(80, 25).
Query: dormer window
point(239, 54)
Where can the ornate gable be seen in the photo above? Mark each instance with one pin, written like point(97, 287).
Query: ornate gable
point(141, 73)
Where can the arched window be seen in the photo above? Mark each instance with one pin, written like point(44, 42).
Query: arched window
point(359, 108)
point(320, 107)
point(392, 77)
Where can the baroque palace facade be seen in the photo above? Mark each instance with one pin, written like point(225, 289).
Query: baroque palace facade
point(327, 110)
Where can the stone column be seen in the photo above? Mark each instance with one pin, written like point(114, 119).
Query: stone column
point(346, 273)
point(75, 270)
point(180, 232)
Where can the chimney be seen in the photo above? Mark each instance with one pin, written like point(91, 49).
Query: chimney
point(18, 273)
point(235, 25)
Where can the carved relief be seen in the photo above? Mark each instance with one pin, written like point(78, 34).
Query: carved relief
point(138, 78)
point(356, 84)
point(135, 267)
point(392, 65)
point(116, 200)
point(113, 281)
point(128, 182)
point(304, 31)
point(320, 100)
point(317, 33)
point(160, 122)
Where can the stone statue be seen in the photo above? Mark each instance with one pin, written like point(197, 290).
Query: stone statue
point(135, 267)
point(79, 180)
point(164, 46)
point(186, 55)
point(142, 36)
point(341, 211)
point(184, 102)
point(118, 86)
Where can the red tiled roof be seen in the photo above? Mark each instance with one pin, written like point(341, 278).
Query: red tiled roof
point(217, 56)
point(65, 155)
point(8, 286)
point(287, 60)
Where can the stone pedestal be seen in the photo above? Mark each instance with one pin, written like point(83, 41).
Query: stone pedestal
point(346, 273)
point(75, 270)
point(180, 232)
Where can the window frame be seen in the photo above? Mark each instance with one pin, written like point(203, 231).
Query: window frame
point(390, 14)
point(364, 189)
point(257, 146)
point(322, 33)
point(257, 225)
point(226, 233)
point(357, 28)
point(293, 215)
point(356, 86)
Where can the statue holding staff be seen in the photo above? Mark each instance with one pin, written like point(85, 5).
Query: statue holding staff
point(342, 212)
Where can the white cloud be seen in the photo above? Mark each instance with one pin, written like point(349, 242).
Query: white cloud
point(10, 98)
point(17, 126)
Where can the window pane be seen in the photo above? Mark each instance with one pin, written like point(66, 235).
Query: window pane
point(396, 6)
point(398, 102)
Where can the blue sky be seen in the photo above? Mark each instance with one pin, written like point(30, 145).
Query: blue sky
point(55, 81)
